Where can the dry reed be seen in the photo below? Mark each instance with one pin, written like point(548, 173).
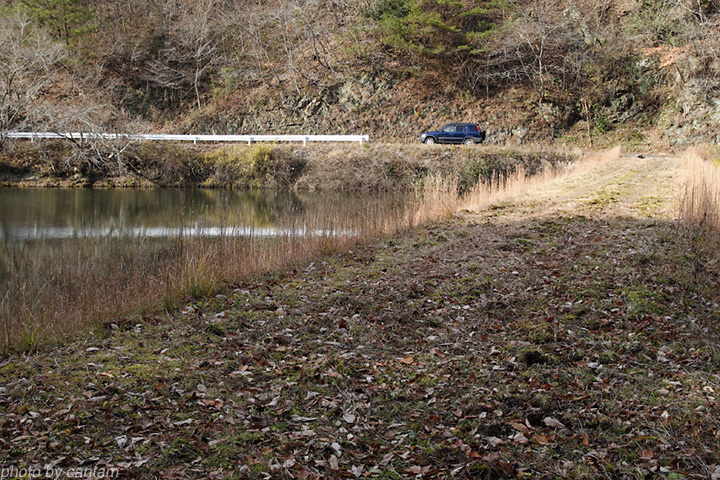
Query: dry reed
point(502, 188)
point(700, 194)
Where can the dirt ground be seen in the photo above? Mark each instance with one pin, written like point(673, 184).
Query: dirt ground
point(570, 332)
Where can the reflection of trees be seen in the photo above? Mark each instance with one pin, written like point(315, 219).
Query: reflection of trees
point(250, 208)
point(5, 260)
point(82, 208)
point(124, 209)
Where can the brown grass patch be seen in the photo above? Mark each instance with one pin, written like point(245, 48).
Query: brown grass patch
point(700, 195)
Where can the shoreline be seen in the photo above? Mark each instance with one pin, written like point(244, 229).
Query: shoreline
point(371, 167)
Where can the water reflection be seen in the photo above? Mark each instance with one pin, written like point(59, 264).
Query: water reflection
point(132, 208)
point(47, 223)
point(69, 233)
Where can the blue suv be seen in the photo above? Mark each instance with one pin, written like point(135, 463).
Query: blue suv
point(465, 133)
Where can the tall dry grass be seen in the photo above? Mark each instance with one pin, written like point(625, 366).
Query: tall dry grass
point(700, 193)
point(73, 287)
point(441, 197)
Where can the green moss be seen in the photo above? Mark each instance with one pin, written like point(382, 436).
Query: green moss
point(643, 301)
point(182, 450)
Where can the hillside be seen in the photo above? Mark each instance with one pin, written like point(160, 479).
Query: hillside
point(529, 70)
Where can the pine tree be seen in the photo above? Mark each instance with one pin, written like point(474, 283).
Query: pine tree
point(435, 27)
point(64, 19)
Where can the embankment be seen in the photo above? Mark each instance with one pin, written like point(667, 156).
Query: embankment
point(374, 167)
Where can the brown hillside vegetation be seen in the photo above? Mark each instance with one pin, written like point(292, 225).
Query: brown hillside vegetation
point(525, 69)
point(567, 332)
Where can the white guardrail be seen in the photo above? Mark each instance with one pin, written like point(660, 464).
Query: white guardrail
point(249, 139)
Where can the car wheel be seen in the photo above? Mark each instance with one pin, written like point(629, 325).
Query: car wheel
point(468, 141)
point(429, 141)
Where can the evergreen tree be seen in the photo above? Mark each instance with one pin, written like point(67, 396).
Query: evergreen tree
point(436, 27)
point(63, 18)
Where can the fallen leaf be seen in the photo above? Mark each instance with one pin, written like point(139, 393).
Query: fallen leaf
point(553, 422)
point(408, 360)
point(646, 455)
point(520, 427)
point(541, 439)
point(349, 418)
point(494, 441)
point(334, 465)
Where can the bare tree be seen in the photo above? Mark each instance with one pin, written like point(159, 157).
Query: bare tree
point(192, 37)
point(539, 25)
point(28, 62)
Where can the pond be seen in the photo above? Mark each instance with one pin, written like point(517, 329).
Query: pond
point(80, 256)
point(48, 214)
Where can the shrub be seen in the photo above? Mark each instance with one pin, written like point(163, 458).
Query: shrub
point(261, 166)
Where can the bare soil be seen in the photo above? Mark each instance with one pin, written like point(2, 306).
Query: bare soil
point(571, 332)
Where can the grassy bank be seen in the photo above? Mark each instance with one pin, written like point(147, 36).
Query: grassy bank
point(372, 167)
point(569, 332)
point(89, 283)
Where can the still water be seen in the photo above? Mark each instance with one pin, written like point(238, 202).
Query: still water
point(52, 214)
point(52, 240)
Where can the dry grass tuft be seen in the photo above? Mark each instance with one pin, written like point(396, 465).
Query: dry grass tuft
point(700, 196)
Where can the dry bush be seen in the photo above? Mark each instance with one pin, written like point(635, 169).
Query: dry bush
point(700, 194)
point(29, 61)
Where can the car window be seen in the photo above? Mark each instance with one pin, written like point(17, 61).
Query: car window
point(448, 128)
point(472, 128)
